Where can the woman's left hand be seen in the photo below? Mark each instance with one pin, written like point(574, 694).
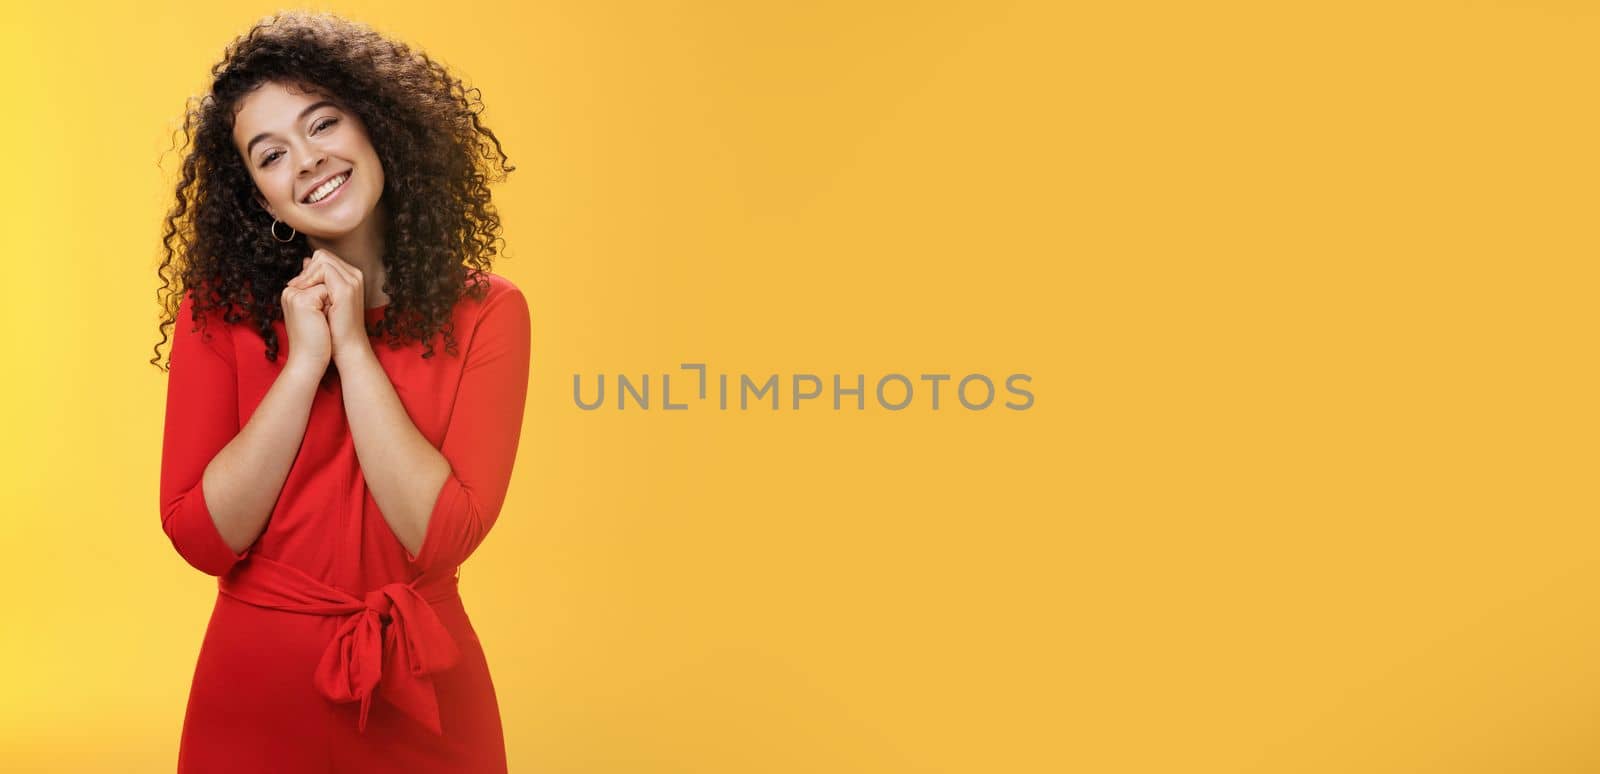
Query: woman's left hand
point(347, 322)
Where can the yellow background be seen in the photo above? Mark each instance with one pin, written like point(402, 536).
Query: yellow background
point(1307, 292)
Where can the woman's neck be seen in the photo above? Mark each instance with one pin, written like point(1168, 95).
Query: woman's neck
point(363, 249)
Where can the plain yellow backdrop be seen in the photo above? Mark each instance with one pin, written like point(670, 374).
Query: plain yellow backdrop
point(1306, 292)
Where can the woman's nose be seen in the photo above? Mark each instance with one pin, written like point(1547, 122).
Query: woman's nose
point(312, 159)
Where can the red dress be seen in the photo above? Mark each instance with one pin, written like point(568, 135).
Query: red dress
point(331, 648)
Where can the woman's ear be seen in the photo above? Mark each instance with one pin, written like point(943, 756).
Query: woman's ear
point(262, 203)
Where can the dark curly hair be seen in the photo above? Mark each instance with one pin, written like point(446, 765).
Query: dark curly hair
point(438, 158)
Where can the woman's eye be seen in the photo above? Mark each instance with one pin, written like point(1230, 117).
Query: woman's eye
point(321, 125)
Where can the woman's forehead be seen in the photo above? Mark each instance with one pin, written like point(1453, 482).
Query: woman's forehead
point(271, 107)
point(290, 93)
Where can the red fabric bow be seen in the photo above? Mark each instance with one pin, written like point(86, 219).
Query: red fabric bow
point(392, 638)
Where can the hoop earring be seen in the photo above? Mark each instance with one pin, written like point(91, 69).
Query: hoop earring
point(274, 230)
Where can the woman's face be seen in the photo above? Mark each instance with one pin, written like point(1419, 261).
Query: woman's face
point(298, 144)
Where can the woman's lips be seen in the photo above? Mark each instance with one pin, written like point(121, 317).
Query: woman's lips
point(336, 192)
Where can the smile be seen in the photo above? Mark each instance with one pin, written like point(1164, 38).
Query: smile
point(328, 190)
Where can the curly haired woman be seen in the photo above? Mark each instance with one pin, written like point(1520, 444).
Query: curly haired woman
point(321, 457)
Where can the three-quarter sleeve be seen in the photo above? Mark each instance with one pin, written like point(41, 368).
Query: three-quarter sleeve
point(202, 417)
point(481, 441)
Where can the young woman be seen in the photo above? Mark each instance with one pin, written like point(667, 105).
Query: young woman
point(346, 392)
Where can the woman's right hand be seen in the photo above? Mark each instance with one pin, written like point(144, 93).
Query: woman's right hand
point(310, 341)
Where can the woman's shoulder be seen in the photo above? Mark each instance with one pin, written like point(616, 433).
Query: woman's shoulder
point(191, 312)
point(501, 294)
point(499, 284)
point(501, 315)
point(217, 304)
point(204, 322)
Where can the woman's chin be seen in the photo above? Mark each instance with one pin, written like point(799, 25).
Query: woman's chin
point(332, 226)
point(324, 229)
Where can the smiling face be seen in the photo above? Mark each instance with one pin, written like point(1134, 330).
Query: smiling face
point(312, 163)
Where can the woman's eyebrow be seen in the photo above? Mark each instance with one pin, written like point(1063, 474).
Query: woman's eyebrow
point(302, 117)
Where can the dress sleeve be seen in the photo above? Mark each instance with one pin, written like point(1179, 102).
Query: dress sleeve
point(481, 441)
point(202, 417)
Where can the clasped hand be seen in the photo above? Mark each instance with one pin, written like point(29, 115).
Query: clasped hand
point(328, 284)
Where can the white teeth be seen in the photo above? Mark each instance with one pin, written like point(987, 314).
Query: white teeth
point(327, 188)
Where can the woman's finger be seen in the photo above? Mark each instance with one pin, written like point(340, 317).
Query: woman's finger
point(316, 297)
point(330, 275)
point(323, 262)
point(298, 281)
point(336, 265)
point(325, 267)
point(349, 272)
point(311, 276)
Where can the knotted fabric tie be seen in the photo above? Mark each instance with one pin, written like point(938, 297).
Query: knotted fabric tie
point(392, 636)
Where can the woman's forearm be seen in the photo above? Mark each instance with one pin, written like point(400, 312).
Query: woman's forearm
point(402, 469)
point(242, 482)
